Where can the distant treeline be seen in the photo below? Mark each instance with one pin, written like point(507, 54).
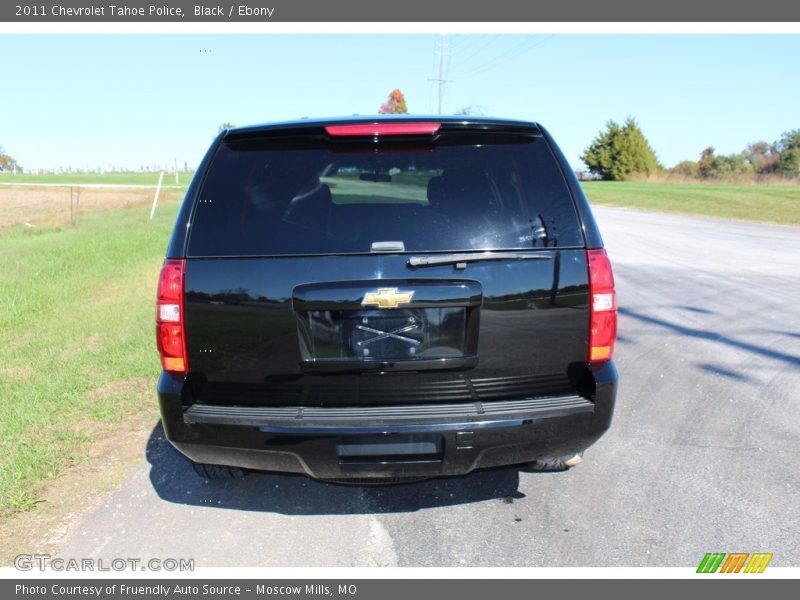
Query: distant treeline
point(760, 159)
point(622, 152)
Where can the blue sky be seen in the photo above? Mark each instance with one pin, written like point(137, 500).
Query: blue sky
point(96, 101)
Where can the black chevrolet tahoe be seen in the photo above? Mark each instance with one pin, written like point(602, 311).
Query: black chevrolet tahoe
point(385, 299)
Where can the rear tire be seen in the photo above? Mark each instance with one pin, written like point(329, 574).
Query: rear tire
point(218, 471)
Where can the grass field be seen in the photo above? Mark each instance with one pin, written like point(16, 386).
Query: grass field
point(766, 203)
point(58, 206)
point(132, 178)
point(77, 351)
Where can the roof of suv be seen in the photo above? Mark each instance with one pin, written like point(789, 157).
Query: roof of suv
point(451, 122)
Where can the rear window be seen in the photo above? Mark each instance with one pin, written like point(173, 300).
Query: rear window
point(259, 199)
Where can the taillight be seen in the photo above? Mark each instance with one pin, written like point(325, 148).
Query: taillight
point(170, 334)
point(382, 128)
point(602, 306)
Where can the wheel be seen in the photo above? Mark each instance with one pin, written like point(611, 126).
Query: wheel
point(218, 471)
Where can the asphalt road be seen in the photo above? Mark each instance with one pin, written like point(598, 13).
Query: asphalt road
point(702, 455)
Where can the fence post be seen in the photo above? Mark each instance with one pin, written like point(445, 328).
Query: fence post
point(155, 198)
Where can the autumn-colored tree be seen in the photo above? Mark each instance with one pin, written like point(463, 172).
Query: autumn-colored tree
point(758, 159)
point(706, 163)
point(7, 163)
point(763, 157)
point(395, 105)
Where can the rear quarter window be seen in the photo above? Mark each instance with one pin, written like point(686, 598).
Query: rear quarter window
point(257, 199)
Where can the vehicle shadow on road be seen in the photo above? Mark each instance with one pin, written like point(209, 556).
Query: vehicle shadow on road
point(174, 480)
point(714, 336)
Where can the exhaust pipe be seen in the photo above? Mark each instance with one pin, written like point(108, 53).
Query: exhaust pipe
point(555, 464)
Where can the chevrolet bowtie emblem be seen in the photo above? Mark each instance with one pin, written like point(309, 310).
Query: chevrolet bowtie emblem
point(387, 298)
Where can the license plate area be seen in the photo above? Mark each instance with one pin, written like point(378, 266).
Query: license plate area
point(436, 329)
point(390, 448)
point(400, 334)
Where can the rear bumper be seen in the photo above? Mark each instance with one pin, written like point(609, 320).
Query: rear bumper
point(338, 443)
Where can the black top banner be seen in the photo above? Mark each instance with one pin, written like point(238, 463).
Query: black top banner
point(455, 11)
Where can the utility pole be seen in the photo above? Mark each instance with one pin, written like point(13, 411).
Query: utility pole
point(440, 79)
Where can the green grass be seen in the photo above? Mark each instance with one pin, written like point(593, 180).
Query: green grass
point(767, 203)
point(77, 351)
point(132, 178)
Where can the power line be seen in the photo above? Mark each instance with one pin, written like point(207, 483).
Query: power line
point(482, 43)
point(516, 50)
point(526, 45)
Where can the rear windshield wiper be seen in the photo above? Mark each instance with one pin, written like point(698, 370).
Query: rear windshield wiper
point(461, 259)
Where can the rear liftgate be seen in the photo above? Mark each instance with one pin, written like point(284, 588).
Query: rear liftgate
point(385, 326)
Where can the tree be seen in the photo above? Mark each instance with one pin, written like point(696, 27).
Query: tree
point(224, 126)
point(395, 104)
point(757, 159)
point(7, 163)
point(732, 164)
point(472, 109)
point(790, 162)
point(789, 148)
point(620, 151)
point(687, 168)
point(789, 140)
point(713, 165)
point(706, 163)
point(763, 156)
